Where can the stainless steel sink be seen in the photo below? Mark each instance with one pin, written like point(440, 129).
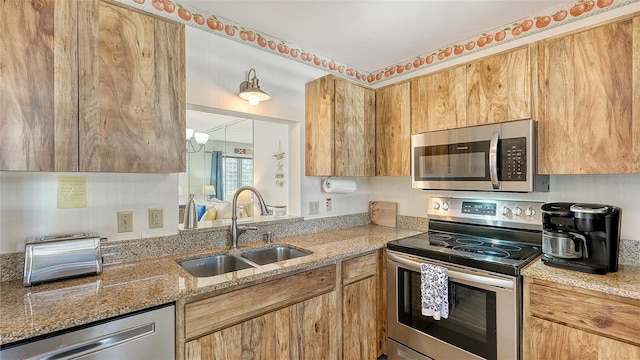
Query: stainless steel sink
point(273, 254)
point(214, 265)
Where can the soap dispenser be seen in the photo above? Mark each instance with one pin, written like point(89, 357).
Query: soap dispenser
point(190, 213)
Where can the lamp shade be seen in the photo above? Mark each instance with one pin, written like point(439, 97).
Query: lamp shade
point(189, 134)
point(201, 138)
point(244, 197)
point(209, 190)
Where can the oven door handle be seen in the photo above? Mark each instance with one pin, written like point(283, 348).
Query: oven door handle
point(454, 275)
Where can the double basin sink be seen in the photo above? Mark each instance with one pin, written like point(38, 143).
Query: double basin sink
point(225, 263)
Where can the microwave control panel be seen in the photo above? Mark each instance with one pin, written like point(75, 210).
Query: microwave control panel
point(514, 159)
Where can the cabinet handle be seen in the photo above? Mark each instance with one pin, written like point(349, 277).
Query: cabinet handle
point(91, 346)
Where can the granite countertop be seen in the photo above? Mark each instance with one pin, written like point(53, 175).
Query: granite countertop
point(624, 282)
point(123, 288)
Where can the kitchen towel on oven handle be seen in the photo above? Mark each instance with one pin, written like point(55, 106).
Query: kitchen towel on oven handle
point(434, 291)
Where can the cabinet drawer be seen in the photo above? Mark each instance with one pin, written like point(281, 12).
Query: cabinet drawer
point(359, 268)
point(218, 312)
point(593, 314)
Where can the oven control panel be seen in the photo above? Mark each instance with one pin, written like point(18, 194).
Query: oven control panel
point(512, 213)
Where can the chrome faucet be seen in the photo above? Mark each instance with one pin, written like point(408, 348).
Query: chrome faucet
point(236, 230)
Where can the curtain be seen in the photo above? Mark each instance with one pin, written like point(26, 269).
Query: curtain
point(216, 173)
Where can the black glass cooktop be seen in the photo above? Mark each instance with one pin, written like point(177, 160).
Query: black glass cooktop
point(481, 252)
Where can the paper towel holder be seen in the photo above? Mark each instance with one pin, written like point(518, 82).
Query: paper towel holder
point(333, 186)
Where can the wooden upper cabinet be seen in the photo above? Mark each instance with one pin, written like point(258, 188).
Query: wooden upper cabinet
point(90, 86)
point(439, 100)
point(499, 88)
point(339, 128)
point(38, 86)
point(393, 130)
point(588, 84)
point(132, 90)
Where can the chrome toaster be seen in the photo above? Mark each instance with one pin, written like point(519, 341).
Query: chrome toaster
point(62, 256)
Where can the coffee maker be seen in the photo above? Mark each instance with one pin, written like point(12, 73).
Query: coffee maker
point(581, 237)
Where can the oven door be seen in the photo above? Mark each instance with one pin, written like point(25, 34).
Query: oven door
point(483, 320)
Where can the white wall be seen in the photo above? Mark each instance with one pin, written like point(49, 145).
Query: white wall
point(28, 206)
point(215, 68)
point(265, 164)
point(617, 190)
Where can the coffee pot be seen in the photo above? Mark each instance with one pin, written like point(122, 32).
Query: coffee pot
point(582, 237)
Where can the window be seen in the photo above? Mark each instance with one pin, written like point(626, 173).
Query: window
point(237, 172)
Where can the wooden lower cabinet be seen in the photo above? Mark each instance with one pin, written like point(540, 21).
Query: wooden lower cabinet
point(332, 312)
point(359, 308)
point(288, 318)
point(305, 330)
point(564, 322)
point(550, 340)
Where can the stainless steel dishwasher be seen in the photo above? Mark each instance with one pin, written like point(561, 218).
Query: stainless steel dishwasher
point(142, 335)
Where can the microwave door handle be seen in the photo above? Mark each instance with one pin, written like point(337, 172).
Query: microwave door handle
point(493, 160)
point(453, 274)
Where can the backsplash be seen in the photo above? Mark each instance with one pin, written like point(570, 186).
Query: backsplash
point(113, 252)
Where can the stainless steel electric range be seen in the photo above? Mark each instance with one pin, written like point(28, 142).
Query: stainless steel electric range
point(483, 244)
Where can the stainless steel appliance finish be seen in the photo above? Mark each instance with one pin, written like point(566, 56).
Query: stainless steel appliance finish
point(146, 335)
point(57, 257)
point(563, 245)
point(483, 244)
point(493, 157)
point(399, 351)
point(470, 332)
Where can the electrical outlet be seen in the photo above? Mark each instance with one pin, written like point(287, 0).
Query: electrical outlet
point(328, 204)
point(314, 207)
point(125, 221)
point(156, 218)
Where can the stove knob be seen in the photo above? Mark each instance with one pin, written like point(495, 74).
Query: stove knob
point(505, 211)
point(445, 206)
point(436, 206)
point(517, 211)
point(530, 212)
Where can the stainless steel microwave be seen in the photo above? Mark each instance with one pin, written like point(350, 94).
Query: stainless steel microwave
point(492, 157)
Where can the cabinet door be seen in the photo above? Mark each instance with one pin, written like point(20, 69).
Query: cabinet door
point(319, 125)
point(585, 102)
point(393, 130)
point(132, 90)
point(354, 130)
point(549, 340)
point(439, 100)
point(499, 88)
point(305, 330)
point(38, 85)
point(359, 338)
point(360, 298)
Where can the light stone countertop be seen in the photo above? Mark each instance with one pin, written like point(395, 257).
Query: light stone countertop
point(26, 312)
point(625, 282)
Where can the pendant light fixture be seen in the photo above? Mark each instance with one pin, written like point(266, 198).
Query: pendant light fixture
point(250, 90)
point(200, 138)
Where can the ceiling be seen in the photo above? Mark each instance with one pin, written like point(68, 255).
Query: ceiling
point(371, 35)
